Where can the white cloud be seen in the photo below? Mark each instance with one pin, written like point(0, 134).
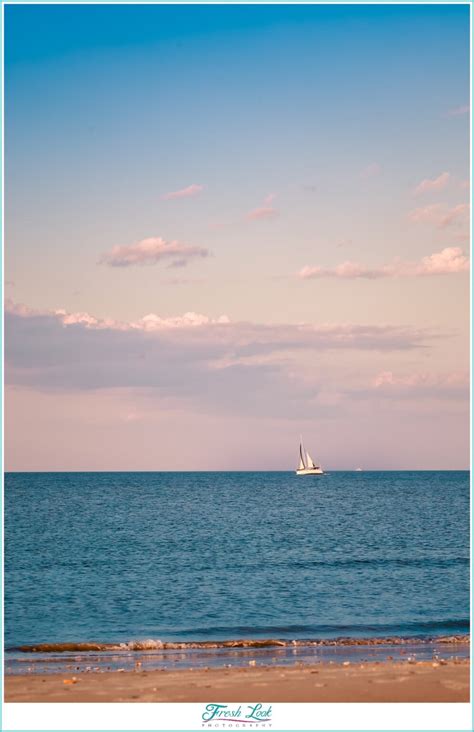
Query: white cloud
point(188, 320)
point(149, 322)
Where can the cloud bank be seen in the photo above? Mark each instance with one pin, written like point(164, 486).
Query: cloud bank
point(197, 375)
point(241, 335)
point(193, 360)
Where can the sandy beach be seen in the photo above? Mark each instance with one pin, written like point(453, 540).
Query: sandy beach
point(423, 681)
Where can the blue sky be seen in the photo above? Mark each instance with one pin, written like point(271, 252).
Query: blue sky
point(306, 130)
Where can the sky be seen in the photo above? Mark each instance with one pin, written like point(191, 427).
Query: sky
point(227, 226)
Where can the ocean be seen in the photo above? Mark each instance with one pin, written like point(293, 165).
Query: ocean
point(201, 558)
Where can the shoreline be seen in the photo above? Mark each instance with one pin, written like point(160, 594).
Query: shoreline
point(387, 681)
point(156, 655)
point(395, 669)
point(149, 644)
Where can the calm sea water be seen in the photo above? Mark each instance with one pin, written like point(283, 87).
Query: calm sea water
point(206, 556)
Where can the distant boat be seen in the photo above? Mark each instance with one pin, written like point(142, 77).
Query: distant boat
point(307, 466)
point(358, 470)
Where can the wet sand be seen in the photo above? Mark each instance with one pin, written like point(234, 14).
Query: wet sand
point(423, 681)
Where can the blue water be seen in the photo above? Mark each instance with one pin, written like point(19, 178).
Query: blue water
point(113, 557)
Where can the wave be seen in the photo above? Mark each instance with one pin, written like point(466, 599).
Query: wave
point(159, 645)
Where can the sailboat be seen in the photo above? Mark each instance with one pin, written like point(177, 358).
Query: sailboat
point(307, 465)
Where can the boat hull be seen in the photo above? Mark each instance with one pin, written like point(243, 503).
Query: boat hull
point(310, 471)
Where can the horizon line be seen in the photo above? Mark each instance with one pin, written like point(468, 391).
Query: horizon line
point(180, 472)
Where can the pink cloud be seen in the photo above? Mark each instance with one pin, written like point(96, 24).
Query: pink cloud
point(436, 184)
point(147, 323)
point(453, 379)
point(262, 213)
point(188, 320)
point(266, 211)
point(371, 171)
point(427, 214)
point(193, 190)
point(192, 360)
point(151, 251)
point(449, 261)
point(346, 270)
point(453, 214)
point(458, 111)
point(439, 215)
point(242, 339)
point(75, 318)
point(188, 361)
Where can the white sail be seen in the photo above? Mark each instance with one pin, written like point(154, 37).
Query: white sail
point(301, 466)
point(309, 460)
